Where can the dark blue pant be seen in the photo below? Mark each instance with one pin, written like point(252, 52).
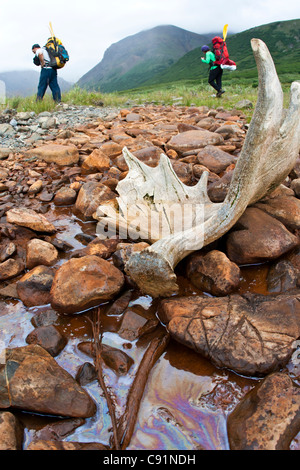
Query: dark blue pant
point(215, 78)
point(48, 77)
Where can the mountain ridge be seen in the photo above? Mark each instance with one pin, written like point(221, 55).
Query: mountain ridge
point(281, 37)
point(135, 57)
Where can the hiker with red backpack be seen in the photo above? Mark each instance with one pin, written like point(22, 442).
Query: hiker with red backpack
point(218, 59)
point(215, 70)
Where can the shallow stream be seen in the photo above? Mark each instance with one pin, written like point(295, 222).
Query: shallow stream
point(186, 400)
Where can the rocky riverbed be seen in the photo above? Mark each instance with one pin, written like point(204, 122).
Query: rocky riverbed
point(216, 366)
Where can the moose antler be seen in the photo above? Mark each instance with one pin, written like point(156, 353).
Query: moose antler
point(269, 153)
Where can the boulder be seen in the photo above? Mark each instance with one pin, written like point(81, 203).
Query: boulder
point(11, 432)
point(40, 252)
point(258, 237)
point(215, 159)
point(213, 272)
point(30, 219)
point(96, 162)
point(268, 417)
point(62, 155)
point(193, 140)
point(33, 381)
point(65, 197)
point(90, 196)
point(82, 283)
point(251, 334)
point(284, 208)
point(11, 268)
point(49, 338)
point(34, 287)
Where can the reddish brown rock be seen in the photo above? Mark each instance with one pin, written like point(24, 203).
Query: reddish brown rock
point(218, 189)
point(258, 237)
point(214, 159)
point(82, 283)
point(284, 208)
point(34, 287)
point(60, 154)
point(268, 418)
point(251, 334)
point(111, 149)
point(114, 358)
point(213, 273)
point(96, 162)
point(7, 250)
point(49, 338)
point(90, 196)
point(136, 322)
point(40, 252)
point(191, 140)
point(86, 373)
point(29, 218)
point(11, 432)
point(65, 197)
point(11, 268)
point(33, 381)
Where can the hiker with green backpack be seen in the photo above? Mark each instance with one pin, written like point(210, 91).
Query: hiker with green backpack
point(218, 60)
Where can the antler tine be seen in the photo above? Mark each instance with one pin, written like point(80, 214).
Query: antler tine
point(262, 165)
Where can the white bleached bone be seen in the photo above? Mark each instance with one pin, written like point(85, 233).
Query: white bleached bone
point(268, 155)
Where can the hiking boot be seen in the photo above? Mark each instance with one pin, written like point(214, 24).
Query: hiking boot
point(220, 93)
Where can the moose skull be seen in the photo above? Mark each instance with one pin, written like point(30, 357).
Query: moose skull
point(268, 155)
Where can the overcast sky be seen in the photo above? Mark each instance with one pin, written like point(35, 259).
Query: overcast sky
point(89, 27)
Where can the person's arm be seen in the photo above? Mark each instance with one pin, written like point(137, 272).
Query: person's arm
point(42, 61)
point(208, 58)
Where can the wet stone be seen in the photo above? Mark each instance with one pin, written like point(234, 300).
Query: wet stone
point(11, 432)
point(65, 196)
point(213, 273)
point(83, 283)
point(34, 287)
point(114, 358)
point(11, 268)
point(49, 338)
point(40, 252)
point(45, 318)
point(268, 418)
point(258, 237)
point(251, 334)
point(136, 323)
point(49, 388)
point(86, 374)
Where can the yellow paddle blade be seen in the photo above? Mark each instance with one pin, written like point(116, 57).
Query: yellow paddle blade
point(51, 29)
point(225, 32)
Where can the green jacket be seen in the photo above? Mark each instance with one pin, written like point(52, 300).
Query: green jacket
point(209, 57)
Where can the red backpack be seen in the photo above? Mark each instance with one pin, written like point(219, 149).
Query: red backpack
point(221, 52)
